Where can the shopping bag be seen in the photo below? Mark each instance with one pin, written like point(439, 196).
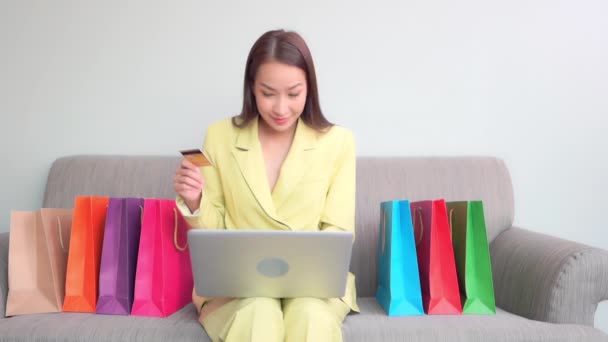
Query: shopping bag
point(37, 257)
point(472, 255)
point(438, 279)
point(119, 256)
point(398, 281)
point(163, 280)
point(82, 274)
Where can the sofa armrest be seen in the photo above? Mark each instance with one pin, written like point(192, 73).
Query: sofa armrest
point(548, 279)
point(3, 272)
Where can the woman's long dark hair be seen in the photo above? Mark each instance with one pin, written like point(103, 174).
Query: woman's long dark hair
point(288, 48)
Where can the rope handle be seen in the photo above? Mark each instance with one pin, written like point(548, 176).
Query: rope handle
point(60, 234)
point(177, 246)
point(451, 220)
point(419, 211)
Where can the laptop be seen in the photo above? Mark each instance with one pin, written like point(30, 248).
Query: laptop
point(270, 263)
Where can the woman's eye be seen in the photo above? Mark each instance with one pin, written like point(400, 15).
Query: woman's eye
point(267, 94)
point(294, 95)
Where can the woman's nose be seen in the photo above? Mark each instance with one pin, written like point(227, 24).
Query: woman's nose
point(281, 106)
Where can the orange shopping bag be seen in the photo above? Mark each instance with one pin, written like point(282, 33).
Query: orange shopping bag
point(82, 274)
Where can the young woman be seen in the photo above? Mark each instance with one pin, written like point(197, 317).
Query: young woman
point(280, 164)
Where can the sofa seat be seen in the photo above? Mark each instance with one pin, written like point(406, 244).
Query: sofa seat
point(67, 326)
point(371, 324)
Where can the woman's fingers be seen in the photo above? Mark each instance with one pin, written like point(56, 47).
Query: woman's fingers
point(186, 189)
point(189, 177)
point(186, 164)
point(190, 181)
point(187, 183)
point(187, 168)
point(188, 192)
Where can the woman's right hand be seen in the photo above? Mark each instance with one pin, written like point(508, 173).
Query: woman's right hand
point(189, 184)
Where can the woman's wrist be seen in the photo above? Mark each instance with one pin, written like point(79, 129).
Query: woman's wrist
point(194, 205)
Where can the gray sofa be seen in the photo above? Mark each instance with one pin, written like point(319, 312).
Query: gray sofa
point(547, 289)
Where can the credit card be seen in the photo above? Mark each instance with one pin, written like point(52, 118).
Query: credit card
point(196, 157)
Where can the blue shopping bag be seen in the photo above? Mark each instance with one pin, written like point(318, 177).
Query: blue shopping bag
point(398, 278)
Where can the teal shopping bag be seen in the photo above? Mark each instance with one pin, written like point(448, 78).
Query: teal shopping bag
point(398, 279)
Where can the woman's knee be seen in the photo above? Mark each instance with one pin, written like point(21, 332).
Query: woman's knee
point(261, 311)
point(263, 304)
point(311, 319)
point(256, 319)
point(309, 308)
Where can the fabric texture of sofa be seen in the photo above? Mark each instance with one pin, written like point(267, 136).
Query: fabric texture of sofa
point(547, 289)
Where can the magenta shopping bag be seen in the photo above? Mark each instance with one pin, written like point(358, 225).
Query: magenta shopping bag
point(119, 256)
point(163, 281)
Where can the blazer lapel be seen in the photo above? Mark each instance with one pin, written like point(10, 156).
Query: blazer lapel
point(296, 164)
point(248, 155)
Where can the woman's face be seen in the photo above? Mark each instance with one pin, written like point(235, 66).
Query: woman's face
point(280, 95)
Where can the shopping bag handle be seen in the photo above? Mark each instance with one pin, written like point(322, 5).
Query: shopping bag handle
point(419, 211)
point(177, 246)
point(60, 234)
point(383, 229)
point(141, 215)
point(451, 227)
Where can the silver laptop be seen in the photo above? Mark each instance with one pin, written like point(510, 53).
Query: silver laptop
point(269, 263)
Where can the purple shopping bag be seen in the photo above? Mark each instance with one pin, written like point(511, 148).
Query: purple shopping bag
point(119, 256)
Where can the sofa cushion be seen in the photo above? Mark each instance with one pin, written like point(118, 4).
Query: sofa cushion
point(181, 326)
point(114, 176)
point(372, 324)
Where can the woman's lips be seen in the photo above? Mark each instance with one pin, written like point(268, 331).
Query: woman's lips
point(281, 121)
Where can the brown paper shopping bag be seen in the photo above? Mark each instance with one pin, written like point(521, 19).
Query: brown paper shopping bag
point(37, 258)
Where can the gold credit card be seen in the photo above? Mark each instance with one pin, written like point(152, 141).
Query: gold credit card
point(196, 157)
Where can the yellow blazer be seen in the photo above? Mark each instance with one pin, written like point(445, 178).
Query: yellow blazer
point(315, 189)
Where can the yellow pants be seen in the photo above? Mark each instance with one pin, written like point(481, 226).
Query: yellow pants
point(268, 320)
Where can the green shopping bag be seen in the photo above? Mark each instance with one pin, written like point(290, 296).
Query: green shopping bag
point(472, 256)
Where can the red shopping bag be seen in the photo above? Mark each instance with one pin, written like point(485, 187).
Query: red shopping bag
point(163, 279)
point(438, 279)
point(84, 256)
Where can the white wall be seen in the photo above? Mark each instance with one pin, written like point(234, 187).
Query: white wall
point(523, 80)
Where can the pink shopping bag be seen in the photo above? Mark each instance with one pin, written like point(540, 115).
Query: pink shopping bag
point(163, 279)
